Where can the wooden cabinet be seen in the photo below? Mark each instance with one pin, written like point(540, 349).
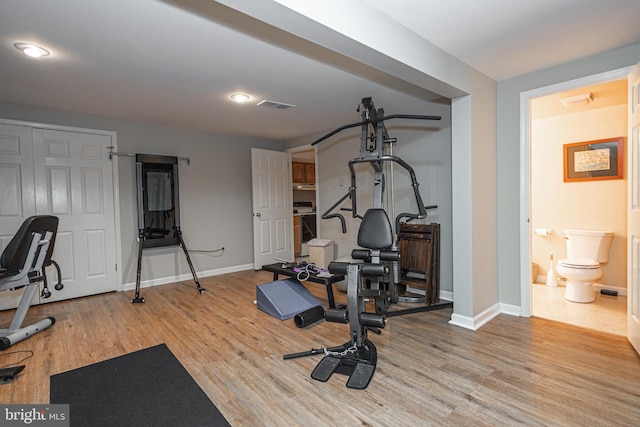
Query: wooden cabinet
point(309, 173)
point(297, 236)
point(297, 172)
point(303, 173)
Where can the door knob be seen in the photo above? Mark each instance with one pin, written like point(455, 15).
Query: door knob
point(257, 214)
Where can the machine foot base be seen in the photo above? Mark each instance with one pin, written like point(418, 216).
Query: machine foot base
point(359, 366)
point(361, 376)
point(325, 368)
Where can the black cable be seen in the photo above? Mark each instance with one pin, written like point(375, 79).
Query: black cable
point(19, 361)
point(45, 290)
point(207, 250)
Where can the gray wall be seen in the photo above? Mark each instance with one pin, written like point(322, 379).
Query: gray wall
point(508, 153)
point(215, 191)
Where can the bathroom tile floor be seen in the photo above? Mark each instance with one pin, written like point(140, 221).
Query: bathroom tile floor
point(606, 313)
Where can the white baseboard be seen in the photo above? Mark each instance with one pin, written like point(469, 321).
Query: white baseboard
point(444, 295)
point(181, 277)
point(462, 321)
point(478, 321)
point(512, 310)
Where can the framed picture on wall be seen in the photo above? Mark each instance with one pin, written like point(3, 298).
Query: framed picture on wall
point(594, 160)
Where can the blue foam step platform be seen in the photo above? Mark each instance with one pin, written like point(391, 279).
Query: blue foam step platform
point(284, 299)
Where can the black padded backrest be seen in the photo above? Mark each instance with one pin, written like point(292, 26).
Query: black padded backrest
point(375, 230)
point(15, 254)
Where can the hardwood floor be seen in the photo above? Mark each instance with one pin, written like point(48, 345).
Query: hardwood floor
point(513, 371)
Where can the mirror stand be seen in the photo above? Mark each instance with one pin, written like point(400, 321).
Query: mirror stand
point(158, 210)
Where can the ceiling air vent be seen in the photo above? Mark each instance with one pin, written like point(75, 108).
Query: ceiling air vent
point(274, 104)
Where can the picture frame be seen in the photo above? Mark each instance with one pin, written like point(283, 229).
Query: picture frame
point(594, 160)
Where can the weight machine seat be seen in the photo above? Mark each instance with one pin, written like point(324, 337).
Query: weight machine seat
point(21, 261)
point(375, 230)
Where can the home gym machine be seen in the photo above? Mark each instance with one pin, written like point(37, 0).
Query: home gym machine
point(158, 210)
point(378, 274)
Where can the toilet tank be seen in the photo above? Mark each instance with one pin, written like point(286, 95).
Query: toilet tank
point(593, 244)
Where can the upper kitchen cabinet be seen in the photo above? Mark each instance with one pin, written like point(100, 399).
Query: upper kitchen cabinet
point(304, 173)
point(297, 172)
point(309, 173)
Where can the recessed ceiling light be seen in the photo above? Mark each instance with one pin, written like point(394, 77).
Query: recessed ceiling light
point(32, 50)
point(240, 97)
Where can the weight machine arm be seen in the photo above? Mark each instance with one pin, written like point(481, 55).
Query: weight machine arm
point(374, 122)
point(351, 194)
point(329, 215)
point(422, 212)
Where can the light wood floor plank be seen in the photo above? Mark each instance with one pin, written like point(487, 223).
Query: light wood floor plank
point(513, 371)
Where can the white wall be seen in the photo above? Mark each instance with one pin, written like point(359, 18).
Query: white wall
point(215, 192)
point(510, 177)
point(555, 204)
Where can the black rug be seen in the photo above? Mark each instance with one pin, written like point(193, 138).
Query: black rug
point(145, 388)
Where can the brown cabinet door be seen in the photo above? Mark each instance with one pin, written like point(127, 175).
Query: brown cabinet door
point(297, 236)
point(310, 173)
point(297, 172)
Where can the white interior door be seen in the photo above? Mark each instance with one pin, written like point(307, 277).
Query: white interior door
point(272, 206)
point(633, 276)
point(17, 196)
point(76, 185)
point(67, 174)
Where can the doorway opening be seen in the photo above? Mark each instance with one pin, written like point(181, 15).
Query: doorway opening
point(550, 205)
point(305, 219)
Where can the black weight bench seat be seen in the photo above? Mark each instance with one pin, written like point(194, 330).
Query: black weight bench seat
point(21, 264)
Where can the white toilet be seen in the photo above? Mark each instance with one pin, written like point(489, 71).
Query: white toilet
point(586, 249)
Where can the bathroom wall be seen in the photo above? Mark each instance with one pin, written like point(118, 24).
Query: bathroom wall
point(556, 204)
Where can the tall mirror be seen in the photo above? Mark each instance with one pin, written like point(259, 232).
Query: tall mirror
point(158, 201)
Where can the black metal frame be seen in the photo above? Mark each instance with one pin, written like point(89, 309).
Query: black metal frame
point(148, 236)
point(379, 274)
point(22, 264)
point(373, 139)
point(372, 147)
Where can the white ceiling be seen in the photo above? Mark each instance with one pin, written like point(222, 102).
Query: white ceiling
point(506, 38)
point(152, 61)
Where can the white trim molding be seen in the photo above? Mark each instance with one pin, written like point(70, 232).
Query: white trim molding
point(478, 321)
point(187, 277)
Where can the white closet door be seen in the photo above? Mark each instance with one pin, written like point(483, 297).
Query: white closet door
point(74, 182)
point(67, 174)
point(17, 191)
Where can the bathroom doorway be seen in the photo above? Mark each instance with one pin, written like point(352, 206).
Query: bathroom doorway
point(587, 110)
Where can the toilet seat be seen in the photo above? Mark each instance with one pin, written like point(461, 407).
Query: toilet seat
point(582, 263)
